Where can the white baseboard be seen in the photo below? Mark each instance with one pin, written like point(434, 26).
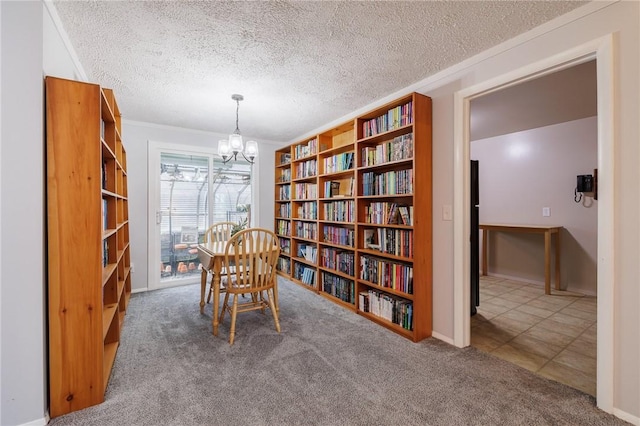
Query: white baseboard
point(634, 420)
point(442, 337)
point(38, 422)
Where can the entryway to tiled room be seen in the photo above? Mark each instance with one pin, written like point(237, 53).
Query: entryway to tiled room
point(552, 335)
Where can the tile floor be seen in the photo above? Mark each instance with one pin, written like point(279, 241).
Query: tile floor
point(552, 335)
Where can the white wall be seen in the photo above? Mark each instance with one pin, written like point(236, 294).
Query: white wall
point(623, 20)
point(136, 136)
point(520, 173)
point(22, 216)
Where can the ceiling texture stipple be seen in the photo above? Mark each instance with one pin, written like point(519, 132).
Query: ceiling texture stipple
point(299, 65)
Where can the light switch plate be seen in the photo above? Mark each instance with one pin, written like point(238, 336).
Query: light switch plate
point(447, 212)
point(546, 211)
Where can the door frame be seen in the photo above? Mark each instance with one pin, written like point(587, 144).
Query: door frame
point(154, 150)
point(601, 49)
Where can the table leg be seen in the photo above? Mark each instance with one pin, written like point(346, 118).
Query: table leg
point(558, 259)
point(485, 245)
point(215, 282)
point(203, 286)
point(547, 262)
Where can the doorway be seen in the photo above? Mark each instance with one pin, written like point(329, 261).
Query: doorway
point(601, 50)
point(189, 190)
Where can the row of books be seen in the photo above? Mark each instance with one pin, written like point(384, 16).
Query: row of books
point(284, 192)
point(283, 227)
point(388, 213)
point(284, 210)
point(388, 183)
point(339, 287)
point(308, 252)
point(284, 158)
point(105, 216)
point(307, 168)
point(386, 273)
point(285, 175)
point(305, 274)
point(305, 150)
point(305, 191)
point(398, 242)
point(285, 245)
point(393, 309)
point(306, 230)
point(308, 210)
point(394, 118)
point(399, 148)
point(339, 211)
point(340, 260)
point(337, 188)
point(284, 265)
point(105, 253)
point(103, 172)
point(338, 162)
point(338, 235)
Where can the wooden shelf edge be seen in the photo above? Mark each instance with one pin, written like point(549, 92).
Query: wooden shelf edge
point(305, 261)
point(108, 312)
point(107, 271)
point(106, 233)
point(301, 284)
point(386, 255)
point(110, 350)
point(389, 290)
point(373, 167)
point(388, 324)
point(336, 273)
point(337, 246)
point(338, 301)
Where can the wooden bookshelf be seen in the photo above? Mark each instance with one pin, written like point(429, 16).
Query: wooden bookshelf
point(373, 199)
point(283, 207)
point(89, 282)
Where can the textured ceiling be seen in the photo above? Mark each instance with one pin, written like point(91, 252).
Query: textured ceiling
point(299, 65)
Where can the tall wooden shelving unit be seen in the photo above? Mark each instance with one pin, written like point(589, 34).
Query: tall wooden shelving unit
point(89, 282)
point(283, 209)
point(351, 223)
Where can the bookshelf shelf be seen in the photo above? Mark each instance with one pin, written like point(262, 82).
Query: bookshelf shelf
point(391, 165)
point(385, 154)
point(335, 299)
point(89, 288)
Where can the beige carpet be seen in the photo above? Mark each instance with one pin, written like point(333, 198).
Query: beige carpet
point(329, 366)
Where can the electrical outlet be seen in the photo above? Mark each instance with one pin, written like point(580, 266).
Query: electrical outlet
point(546, 211)
point(133, 269)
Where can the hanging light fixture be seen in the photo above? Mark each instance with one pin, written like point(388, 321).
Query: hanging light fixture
point(230, 148)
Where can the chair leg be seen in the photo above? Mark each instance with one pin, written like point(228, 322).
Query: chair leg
point(225, 303)
point(234, 313)
point(273, 310)
point(210, 290)
point(275, 296)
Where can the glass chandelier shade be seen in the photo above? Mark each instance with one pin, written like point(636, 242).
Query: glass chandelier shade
point(228, 148)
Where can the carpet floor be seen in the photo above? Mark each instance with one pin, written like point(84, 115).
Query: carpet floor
point(328, 366)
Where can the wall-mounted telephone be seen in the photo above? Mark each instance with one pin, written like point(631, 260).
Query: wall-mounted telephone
point(586, 183)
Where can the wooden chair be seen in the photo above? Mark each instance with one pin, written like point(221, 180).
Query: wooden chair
point(257, 250)
point(220, 231)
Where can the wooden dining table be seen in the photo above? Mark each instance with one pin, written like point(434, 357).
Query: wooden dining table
point(212, 259)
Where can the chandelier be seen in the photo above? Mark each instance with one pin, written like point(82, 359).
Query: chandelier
point(230, 148)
